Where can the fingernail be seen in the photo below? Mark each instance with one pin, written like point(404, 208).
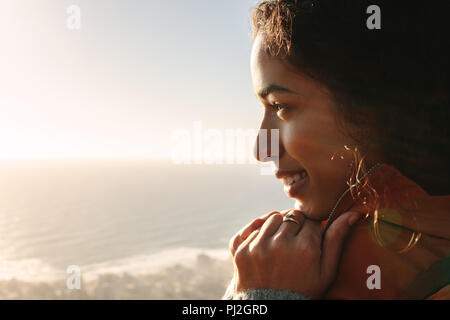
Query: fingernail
point(355, 217)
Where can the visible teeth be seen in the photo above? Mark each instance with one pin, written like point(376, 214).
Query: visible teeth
point(296, 177)
point(289, 180)
point(303, 174)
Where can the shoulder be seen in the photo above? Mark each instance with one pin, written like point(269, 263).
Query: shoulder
point(443, 294)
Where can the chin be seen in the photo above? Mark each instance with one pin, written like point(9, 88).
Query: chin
point(300, 205)
point(308, 211)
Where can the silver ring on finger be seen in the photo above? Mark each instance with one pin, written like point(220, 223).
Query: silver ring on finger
point(293, 217)
point(285, 219)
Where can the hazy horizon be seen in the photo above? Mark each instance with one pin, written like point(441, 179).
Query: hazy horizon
point(119, 86)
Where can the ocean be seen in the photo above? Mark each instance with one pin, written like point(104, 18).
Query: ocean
point(136, 229)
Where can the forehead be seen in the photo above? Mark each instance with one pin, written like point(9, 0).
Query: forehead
point(267, 70)
point(264, 68)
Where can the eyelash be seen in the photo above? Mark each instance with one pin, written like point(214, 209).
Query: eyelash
point(279, 107)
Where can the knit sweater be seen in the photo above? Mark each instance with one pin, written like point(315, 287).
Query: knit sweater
point(265, 294)
point(260, 294)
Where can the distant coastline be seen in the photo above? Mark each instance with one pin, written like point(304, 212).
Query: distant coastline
point(200, 274)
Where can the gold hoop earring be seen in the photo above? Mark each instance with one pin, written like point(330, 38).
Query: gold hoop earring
point(415, 236)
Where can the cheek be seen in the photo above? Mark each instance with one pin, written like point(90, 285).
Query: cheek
point(304, 147)
point(311, 140)
point(318, 146)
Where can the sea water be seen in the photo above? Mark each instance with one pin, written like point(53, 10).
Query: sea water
point(137, 229)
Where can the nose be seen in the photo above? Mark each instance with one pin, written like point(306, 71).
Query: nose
point(267, 144)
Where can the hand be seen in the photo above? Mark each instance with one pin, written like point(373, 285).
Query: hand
point(272, 254)
point(256, 224)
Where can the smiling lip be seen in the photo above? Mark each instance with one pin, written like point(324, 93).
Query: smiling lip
point(280, 174)
point(293, 190)
point(293, 181)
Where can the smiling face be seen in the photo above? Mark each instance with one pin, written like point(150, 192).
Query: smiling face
point(306, 116)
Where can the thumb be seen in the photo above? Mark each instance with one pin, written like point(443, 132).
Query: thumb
point(333, 242)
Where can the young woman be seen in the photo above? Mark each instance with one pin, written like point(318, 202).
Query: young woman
point(363, 117)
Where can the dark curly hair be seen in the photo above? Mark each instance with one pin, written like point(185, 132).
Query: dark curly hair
point(390, 84)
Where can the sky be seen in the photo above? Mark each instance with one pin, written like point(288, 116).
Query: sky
point(118, 87)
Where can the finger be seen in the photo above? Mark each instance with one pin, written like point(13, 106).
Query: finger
point(311, 229)
point(292, 223)
point(255, 224)
point(270, 226)
point(245, 244)
point(333, 242)
point(242, 235)
point(267, 215)
point(247, 230)
point(285, 212)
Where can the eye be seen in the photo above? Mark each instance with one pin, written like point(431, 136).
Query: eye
point(279, 107)
point(281, 110)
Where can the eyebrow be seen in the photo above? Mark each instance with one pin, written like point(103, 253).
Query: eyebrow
point(273, 88)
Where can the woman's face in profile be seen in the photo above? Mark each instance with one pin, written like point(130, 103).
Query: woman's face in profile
point(305, 115)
